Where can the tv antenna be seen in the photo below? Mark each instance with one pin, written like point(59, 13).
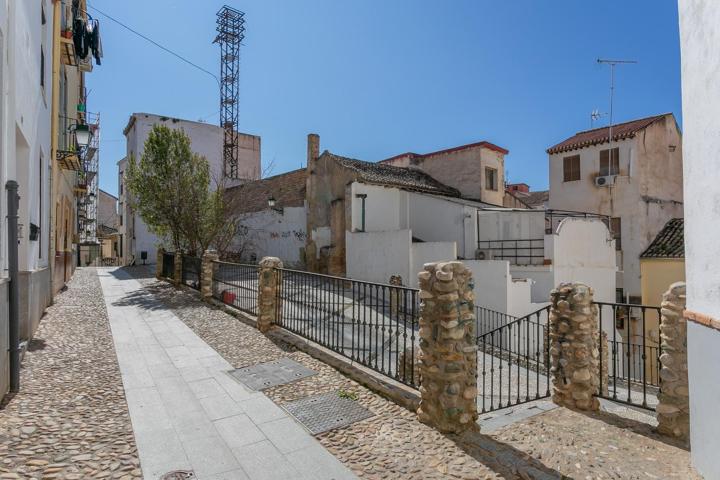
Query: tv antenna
point(596, 115)
point(613, 64)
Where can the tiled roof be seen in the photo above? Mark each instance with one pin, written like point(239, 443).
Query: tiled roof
point(488, 145)
point(669, 243)
point(533, 199)
point(620, 131)
point(405, 178)
point(288, 190)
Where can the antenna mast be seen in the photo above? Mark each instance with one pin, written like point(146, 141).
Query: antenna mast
point(612, 64)
point(231, 32)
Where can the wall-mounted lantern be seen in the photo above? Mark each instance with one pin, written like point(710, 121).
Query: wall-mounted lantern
point(272, 202)
point(82, 134)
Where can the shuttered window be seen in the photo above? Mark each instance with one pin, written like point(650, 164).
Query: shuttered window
point(608, 165)
point(491, 180)
point(571, 168)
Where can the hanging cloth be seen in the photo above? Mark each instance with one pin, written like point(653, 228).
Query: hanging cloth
point(80, 38)
point(96, 44)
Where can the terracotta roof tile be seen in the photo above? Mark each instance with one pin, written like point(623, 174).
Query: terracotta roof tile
point(390, 175)
point(669, 243)
point(596, 136)
point(288, 190)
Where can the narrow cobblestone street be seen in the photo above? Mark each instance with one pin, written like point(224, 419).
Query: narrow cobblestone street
point(70, 419)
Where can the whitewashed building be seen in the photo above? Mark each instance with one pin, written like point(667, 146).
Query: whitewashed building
point(26, 158)
point(135, 238)
point(636, 181)
point(700, 51)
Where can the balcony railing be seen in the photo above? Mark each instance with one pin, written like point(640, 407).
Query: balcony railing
point(519, 252)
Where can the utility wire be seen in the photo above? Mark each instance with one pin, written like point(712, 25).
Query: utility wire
point(155, 43)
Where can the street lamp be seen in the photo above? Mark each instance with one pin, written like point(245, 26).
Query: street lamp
point(82, 134)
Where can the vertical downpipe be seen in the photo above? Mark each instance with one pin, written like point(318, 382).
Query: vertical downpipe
point(14, 327)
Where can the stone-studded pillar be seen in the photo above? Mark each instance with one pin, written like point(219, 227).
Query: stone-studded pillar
point(395, 280)
point(268, 283)
point(159, 263)
point(177, 272)
point(448, 352)
point(673, 410)
point(206, 273)
point(574, 356)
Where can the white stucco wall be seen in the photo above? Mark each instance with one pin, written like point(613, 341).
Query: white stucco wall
point(376, 256)
point(426, 252)
point(436, 219)
point(496, 290)
point(25, 126)
point(583, 251)
point(700, 52)
point(275, 234)
point(386, 208)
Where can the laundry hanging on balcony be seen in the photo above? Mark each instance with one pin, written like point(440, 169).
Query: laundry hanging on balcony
point(86, 37)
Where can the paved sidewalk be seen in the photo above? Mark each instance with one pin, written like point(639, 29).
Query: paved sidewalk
point(187, 412)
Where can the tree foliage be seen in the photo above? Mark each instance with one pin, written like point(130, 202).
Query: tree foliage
point(172, 190)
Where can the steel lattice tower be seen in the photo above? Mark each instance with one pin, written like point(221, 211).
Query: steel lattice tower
point(231, 31)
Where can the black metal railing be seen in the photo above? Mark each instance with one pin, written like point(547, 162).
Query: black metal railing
point(369, 323)
point(191, 271)
point(236, 284)
point(632, 363)
point(554, 217)
point(487, 320)
point(513, 362)
point(518, 252)
point(168, 265)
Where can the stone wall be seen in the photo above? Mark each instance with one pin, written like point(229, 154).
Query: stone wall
point(448, 353)
point(207, 272)
point(673, 410)
point(574, 356)
point(268, 283)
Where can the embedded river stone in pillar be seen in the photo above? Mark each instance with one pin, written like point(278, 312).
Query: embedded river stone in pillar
point(159, 262)
point(177, 270)
point(448, 353)
point(574, 356)
point(673, 410)
point(268, 283)
point(207, 272)
point(395, 280)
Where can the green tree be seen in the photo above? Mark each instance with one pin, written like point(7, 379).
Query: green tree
point(171, 189)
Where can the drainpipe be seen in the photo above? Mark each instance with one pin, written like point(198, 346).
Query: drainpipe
point(14, 328)
point(362, 197)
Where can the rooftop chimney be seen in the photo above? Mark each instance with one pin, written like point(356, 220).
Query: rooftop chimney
point(313, 148)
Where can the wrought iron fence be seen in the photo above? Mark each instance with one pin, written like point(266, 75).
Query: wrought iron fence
point(191, 271)
point(487, 320)
point(369, 323)
point(632, 358)
point(168, 265)
point(236, 284)
point(519, 252)
point(513, 361)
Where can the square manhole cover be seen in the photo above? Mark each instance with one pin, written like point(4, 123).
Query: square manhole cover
point(270, 374)
point(320, 413)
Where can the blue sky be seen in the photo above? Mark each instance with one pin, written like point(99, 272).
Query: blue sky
point(377, 78)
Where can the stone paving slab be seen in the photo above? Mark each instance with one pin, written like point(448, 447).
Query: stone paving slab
point(186, 410)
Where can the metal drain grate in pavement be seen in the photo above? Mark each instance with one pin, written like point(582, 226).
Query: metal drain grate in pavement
point(270, 374)
point(320, 413)
point(178, 475)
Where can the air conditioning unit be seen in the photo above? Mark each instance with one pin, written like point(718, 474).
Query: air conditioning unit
point(605, 181)
point(483, 254)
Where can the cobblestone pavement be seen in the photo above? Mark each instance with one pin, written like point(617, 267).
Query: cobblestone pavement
point(70, 419)
point(595, 446)
point(393, 444)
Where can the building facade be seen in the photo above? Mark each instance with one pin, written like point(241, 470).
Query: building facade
point(636, 181)
point(700, 55)
point(136, 239)
point(26, 44)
